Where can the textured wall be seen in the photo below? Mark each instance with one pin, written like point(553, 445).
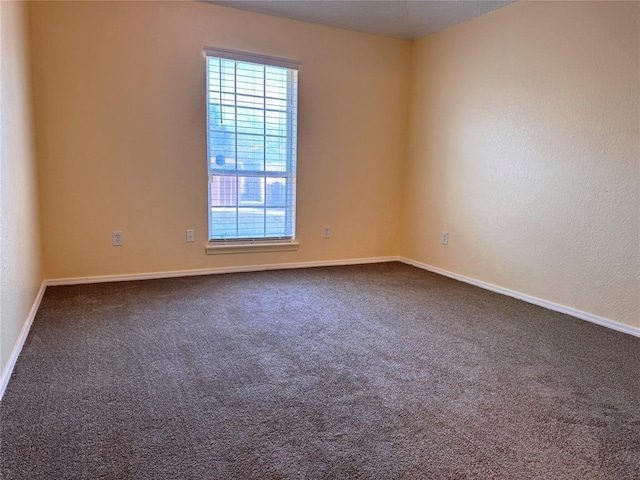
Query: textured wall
point(525, 146)
point(20, 274)
point(120, 110)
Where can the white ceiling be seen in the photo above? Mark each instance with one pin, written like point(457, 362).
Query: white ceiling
point(405, 19)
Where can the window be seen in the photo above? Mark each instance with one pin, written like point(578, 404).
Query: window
point(251, 144)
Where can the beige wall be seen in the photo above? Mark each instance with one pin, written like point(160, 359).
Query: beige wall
point(525, 146)
point(120, 107)
point(20, 274)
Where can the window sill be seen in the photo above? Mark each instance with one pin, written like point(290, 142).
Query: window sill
point(217, 249)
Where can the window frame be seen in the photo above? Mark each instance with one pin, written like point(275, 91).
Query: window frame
point(262, 244)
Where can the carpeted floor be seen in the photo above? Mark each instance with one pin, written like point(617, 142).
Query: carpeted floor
point(376, 371)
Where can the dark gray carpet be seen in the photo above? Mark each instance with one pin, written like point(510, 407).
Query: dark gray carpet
point(377, 371)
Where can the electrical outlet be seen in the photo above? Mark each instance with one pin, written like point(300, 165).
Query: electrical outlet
point(445, 238)
point(325, 232)
point(117, 240)
point(191, 235)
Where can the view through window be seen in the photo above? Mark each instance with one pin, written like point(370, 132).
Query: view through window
point(251, 140)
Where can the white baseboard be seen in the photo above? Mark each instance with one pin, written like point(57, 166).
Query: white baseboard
point(218, 270)
point(605, 322)
point(17, 348)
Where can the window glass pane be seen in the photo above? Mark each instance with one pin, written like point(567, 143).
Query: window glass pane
point(276, 154)
point(276, 123)
point(250, 152)
point(251, 191)
point(223, 223)
point(250, 120)
point(250, 79)
point(215, 74)
point(276, 194)
point(250, 101)
point(276, 104)
point(275, 82)
point(224, 98)
point(276, 222)
point(223, 190)
point(227, 75)
point(222, 155)
point(251, 222)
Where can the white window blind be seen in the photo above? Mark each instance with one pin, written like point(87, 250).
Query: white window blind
point(251, 144)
